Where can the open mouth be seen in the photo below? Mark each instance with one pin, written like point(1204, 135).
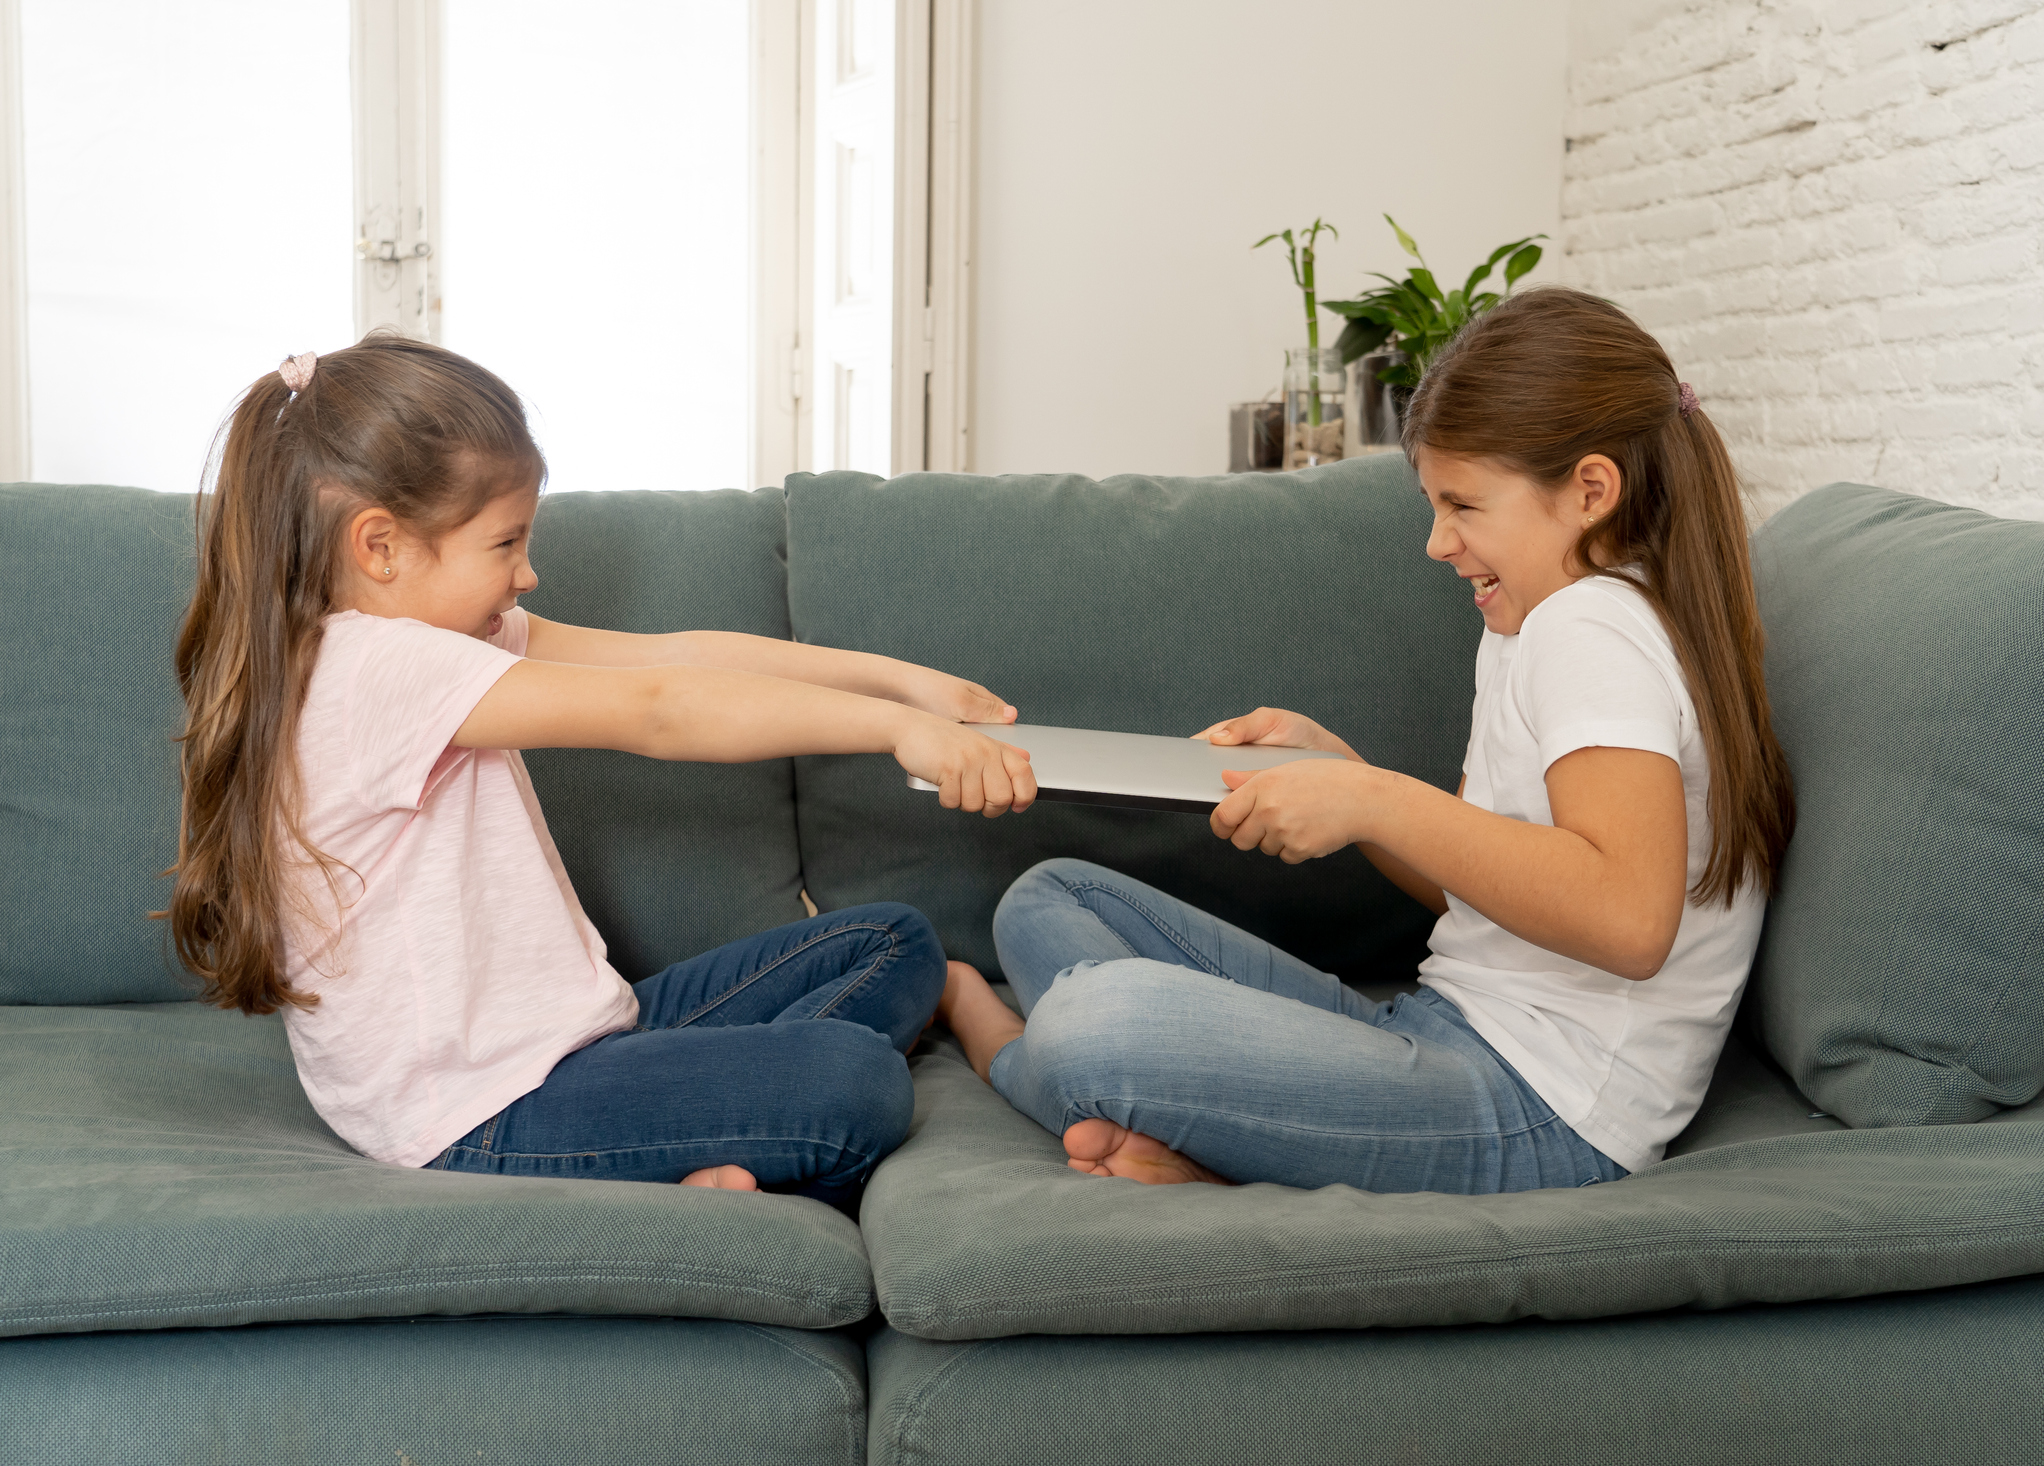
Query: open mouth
point(1483, 585)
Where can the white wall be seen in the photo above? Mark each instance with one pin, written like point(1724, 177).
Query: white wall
point(1129, 153)
point(1832, 215)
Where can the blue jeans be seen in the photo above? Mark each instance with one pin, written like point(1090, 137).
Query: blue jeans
point(781, 1053)
point(1152, 1014)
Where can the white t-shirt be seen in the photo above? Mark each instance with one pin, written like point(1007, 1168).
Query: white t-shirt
point(464, 967)
point(1624, 1063)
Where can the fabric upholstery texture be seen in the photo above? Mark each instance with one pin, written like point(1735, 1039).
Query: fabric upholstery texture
point(977, 1229)
point(163, 1170)
point(1142, 605)
point(670, 859)
point(93, 584)
point(1897, 1381)
point(437, 1392)
point(1898, 979)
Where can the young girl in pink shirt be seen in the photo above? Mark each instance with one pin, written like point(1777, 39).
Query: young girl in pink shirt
point(363, 850)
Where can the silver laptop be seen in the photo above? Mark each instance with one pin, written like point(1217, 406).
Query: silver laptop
point(1133, 770)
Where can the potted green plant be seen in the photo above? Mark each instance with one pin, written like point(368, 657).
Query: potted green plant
point(1414, 318)
point(1312, 400)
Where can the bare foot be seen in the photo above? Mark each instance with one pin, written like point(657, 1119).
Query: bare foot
point(983, 1023)
point(1103, 1148)
point(722, 1178)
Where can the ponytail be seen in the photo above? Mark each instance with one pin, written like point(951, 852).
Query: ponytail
point(418, 431)
point(1546, 379)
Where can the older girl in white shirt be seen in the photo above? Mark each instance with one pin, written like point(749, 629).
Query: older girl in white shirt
point(1599, 877)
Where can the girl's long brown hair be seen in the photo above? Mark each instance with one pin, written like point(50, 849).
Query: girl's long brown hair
point(418, 431)
point(1552, 376)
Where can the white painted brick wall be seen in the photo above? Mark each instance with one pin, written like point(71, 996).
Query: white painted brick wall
point(1831, 213)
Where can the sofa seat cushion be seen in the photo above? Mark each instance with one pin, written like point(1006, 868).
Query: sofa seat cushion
point(595, 1392)
point(977, 1229)
point(1794, 1384)
point(163, 1170)
point(1140, 605)
point(1898, 976)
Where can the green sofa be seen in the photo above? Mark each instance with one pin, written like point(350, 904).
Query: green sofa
point(1841, 1259)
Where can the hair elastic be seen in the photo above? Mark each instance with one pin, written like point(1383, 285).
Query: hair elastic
point(297, 371)
point(1690, 401)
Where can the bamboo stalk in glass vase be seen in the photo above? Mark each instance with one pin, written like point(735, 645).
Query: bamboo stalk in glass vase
point(1394, 330)
point(1313, 376)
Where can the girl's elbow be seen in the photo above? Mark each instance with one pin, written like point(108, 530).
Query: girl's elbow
point(1647, 952)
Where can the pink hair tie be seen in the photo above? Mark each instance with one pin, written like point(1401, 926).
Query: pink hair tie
point(297, 371)
point(1689, 399)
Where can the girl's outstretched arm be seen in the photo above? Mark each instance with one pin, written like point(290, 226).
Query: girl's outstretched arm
point(714, 715)
point(1604, 884)
point(860, 672)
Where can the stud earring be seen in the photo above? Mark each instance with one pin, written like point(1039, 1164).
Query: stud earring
point(388, 571)
point(1588, 520)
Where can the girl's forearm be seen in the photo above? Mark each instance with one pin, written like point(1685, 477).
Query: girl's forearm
point(1544, 885)
point(733, 651)
point(858, 672)
point(1403, 876)
point(713, 714)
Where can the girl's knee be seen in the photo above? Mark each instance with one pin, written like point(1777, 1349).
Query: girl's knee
point(1047, 881)
point(1099, 1017)
point(861, 1081)
point(914, 939)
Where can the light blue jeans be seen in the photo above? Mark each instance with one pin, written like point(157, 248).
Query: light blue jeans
point(1150, 1013)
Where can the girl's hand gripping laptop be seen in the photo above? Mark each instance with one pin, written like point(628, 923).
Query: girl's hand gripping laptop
point(1276, 728)
point(971, 771)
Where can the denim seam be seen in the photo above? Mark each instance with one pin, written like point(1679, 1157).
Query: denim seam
point(855, 984)
point(1415, 1135)
point(785, 957)
point(625, 1150)
point(1169, 933)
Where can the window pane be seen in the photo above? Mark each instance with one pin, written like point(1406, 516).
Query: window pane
point(596, 190)
point(188, 192)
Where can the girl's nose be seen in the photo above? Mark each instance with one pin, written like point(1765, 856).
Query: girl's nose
point(527, 579)
point(1441, 541)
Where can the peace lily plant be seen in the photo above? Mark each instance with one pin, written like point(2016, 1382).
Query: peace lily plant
point(1414, 314)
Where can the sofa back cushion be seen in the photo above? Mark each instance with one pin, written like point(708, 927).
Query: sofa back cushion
point(93, 583)
point(1900, 979)
point(668, 859)
point(1144, 605)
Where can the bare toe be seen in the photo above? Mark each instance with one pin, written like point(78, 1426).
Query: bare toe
point(722, 1178)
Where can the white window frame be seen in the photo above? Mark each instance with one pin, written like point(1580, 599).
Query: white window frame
point(933, 135)
point(395, 70)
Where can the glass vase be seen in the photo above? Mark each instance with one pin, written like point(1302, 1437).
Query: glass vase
point(1314, 387)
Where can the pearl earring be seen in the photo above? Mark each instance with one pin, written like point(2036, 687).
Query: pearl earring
point(388, 571)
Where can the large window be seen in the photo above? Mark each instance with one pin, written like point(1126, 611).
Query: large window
point(597, 246)
point(671, 225)
point(186, 219)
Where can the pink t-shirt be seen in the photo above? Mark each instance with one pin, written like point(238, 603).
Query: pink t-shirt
point(464, 968)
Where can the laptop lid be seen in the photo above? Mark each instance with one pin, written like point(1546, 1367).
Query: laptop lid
point(1132, 770)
